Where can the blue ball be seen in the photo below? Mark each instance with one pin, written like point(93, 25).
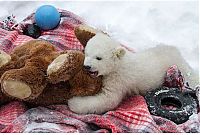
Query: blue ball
point(47, 17)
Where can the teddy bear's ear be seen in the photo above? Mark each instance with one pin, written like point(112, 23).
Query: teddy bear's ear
point(84, 33)
point(119, 52)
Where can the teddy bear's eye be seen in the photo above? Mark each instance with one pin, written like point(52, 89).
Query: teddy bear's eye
point(98, 58)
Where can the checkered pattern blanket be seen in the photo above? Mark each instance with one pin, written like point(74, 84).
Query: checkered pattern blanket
point(62, 37)
point(131, 115)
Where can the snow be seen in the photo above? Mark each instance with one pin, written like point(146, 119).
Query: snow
point(161, 91)
point(194, 126)
point(137, 24)
point(198, 93)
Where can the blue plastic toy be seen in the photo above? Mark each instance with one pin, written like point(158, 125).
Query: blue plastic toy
point(47, 17)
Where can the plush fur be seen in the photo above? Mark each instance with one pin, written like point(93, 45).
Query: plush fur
point(126, 73)
point(36, 73)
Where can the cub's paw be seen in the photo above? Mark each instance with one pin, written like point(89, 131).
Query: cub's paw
point(4, 58)
point(78, 105)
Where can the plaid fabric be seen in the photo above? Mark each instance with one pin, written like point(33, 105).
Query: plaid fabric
point(62, 37)
point(10, 39)
point(132, 115)
point(10, 112)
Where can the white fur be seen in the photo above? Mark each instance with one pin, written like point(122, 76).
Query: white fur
point(126, 73)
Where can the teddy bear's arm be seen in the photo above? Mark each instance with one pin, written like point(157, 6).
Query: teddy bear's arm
point(7, 62)
point(65, 66)
point(82, 84)
point(52, 94)
point(28, 50)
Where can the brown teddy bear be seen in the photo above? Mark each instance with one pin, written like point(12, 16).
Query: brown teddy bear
point(39, 75)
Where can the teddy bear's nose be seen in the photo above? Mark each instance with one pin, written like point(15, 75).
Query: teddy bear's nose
point(86, 67)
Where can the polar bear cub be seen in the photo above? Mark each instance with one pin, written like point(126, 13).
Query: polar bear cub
point(125, 73)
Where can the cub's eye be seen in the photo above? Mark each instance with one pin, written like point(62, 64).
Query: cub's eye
point(98, 58)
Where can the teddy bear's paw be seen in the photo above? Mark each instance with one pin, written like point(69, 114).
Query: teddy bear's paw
point(57, 64)
point(16, 89)
point(65, 66)
point(4, 58)
point(79, 105)
point(54, 70)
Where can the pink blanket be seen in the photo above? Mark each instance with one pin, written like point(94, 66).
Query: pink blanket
point(62, 37)
point(131, 116)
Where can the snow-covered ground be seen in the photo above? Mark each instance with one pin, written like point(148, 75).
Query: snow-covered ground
point(137, 24)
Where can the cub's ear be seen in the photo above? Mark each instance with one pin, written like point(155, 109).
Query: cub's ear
point(119, 52)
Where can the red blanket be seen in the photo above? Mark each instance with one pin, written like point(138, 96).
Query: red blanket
point(131, 116)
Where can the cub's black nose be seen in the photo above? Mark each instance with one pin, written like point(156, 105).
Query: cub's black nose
point(86, 67)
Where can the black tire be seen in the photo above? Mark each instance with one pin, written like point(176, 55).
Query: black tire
point(185, 104)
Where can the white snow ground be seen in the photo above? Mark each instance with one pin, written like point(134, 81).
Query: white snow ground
point(137, 24)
